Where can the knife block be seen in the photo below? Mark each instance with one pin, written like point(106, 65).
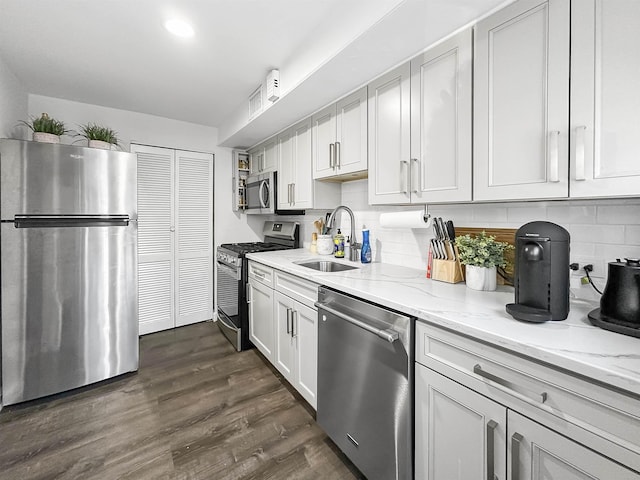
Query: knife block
point(449, 271)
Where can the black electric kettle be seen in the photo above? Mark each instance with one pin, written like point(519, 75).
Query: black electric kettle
point(620, 303)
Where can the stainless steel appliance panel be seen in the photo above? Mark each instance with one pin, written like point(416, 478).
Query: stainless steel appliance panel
point(40, 178)
point(365, 365)
point(260, 192)
point(228, 288)
point(69, 307)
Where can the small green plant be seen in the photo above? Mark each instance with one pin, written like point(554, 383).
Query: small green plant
point(92, 131)
point(482, 250)
point(45, 124)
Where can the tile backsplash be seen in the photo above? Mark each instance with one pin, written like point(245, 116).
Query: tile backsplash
point(601, 230)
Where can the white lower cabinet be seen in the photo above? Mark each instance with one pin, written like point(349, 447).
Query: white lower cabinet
point(261, 323)
point(484, 414)
point(459, 433)
point(285, 341)
point(297, 344)
point(539, 453)
point(283, 325)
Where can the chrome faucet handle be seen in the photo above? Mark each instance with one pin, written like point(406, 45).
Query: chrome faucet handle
point(354, 251)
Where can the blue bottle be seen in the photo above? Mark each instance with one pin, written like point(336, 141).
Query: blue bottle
point(365, 253)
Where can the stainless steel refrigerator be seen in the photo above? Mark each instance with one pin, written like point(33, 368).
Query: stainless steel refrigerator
point(68, 238)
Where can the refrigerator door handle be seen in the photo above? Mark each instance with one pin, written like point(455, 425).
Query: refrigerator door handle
point(56, 221)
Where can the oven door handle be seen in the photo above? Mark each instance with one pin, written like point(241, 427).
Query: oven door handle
point(234, 272)
point(230, 326)
point(264, 193)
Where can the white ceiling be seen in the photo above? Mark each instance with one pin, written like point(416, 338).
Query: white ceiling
point(116, 53)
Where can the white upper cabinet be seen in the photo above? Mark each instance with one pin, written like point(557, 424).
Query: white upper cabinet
point(340, 137)
point(521, 102)
point(389, 137)
point(302, 188)
point(441, 143)
point(296, 188)
point(285, 170)
point(264, 157)
point(324, 141)
point(605, 98)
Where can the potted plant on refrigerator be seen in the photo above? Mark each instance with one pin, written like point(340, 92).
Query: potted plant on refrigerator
point(99, 136)
point(481, 255)
point(45, 128)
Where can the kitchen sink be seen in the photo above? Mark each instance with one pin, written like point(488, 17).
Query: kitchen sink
point(327, 266)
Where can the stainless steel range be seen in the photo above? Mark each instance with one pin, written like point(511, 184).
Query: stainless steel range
point(231, 267)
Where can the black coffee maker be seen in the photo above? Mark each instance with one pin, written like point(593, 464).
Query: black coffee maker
point(541, 277)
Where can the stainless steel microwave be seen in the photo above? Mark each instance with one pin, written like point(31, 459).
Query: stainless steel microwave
point(261, 193)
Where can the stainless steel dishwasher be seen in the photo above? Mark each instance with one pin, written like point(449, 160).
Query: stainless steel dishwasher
point(365, 383)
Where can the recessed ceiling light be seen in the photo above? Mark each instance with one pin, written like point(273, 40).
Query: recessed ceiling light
point(179, 28)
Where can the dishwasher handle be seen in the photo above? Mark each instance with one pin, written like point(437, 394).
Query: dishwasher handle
point(389, 334)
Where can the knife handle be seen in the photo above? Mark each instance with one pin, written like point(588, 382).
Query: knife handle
point(451, 231)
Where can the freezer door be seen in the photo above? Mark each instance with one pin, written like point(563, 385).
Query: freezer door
point(41, 178)
point(69, 306)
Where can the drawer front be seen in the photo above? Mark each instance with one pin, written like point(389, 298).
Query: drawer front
point(610, 414)
point(261, 273)
point(297, 288)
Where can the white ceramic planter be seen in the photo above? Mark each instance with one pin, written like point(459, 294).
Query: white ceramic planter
point(481, 278)
point(325, 245)
point(45, 137)
point(100, 144)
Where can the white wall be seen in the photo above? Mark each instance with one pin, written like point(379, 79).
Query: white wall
point(601, 230)
point(164, 132)
point(13, 104)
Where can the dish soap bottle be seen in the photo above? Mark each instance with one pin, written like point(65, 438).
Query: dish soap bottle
point(338, 241)
point(365, 253)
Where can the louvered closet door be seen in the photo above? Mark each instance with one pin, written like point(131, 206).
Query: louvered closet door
point(194, 236)
point(155, 238)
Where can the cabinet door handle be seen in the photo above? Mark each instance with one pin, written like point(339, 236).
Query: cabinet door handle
point(294, 321)
point(289, 193)
point(248, 292)
point(293, 193)
point(491, 429)
point(515, 456)
point(332, 156)
point(554, 141)
point(262, 162)
point(407, 178)
point(418, 176)
point(477, 369)
point(338, 159)
point(580, 132)
point(289, 321)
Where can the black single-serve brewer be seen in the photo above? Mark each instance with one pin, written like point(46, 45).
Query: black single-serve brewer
point(541, 277)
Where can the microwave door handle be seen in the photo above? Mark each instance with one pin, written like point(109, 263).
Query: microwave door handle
point(264, 194)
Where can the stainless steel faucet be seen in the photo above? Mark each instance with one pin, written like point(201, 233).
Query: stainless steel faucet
point(354, 250)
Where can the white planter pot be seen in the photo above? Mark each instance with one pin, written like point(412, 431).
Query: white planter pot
point(100, 144)
point(45, 137)
point(481, 278)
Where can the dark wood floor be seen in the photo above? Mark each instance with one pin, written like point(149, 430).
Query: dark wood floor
point(197, 409)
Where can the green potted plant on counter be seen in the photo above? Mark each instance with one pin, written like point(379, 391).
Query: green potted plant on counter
point(45, 128)
point(481, 255)
point(98, 136)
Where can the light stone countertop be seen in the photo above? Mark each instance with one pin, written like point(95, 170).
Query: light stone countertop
point(573, 344)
